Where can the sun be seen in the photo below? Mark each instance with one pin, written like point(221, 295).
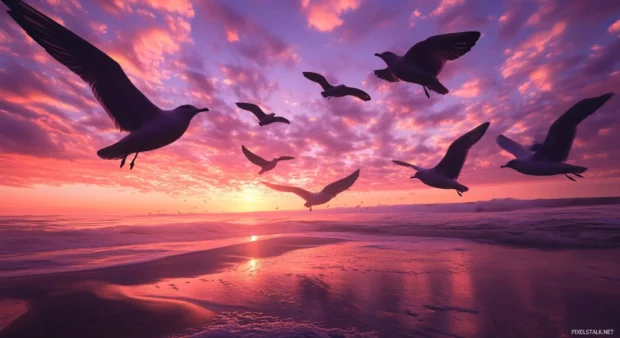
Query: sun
point(248, 197)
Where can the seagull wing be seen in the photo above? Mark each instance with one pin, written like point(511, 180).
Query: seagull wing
point(259, 161)
point(318, 78)
point(405, 164)
point(386, 74)
point(285, 158)
point(281, 119)
point(513, 147)
point(341, 185)
point(124, 103)
point(252, 108)
point(432, 53)
point(360, 94)
point(306, 195)
point(562, 132)
point(451, 164)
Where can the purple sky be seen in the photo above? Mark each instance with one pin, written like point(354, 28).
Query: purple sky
point(534, 60)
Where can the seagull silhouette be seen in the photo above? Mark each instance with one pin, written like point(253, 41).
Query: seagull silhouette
point(322, 197)
point(445, 174)
point(263, 118)
point(550, 156)
point(330, 91)
point(149, 127)
point(261, 162)
point(425, 60)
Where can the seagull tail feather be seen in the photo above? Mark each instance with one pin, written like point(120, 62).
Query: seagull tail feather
point(113, 152)
point(438, 88)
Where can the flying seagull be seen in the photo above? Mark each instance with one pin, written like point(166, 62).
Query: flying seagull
point(322, 197)
point(330, 91)
point(263, 163)
point(548, 158)
point(445, 174)
point(425, 60)
point(263, 118)
point(149, 126)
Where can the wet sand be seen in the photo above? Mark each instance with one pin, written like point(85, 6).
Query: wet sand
point(313, 286)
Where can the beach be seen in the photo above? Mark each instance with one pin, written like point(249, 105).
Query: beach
point(317, 283)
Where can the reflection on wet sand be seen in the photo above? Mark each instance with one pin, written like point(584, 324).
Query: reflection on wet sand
point(292, 286)
point(99, 303)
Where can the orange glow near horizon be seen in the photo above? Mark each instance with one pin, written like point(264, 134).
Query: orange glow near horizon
point(79, 199)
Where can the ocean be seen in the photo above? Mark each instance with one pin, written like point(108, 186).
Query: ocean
point(498, 268)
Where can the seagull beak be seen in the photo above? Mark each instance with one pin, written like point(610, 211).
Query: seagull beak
point(377, 54)
point(503, 166)
point(203, 109)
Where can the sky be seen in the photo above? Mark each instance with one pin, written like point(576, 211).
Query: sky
point(535, 59)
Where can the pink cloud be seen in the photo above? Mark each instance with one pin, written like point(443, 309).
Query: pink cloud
point(182, 7)
point(445, 5)
point(324, 16)
point(615, 27)
point(469, 89)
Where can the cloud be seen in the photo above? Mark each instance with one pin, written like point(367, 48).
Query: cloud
point(249, 38)
point(324, 15)
point(370, 17)
point(615, 27)
point(25, 137)
point(445, 5)
point(248, 83)
point(469, 89)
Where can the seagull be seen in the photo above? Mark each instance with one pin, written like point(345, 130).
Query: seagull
point(549, 158)
point(330, 91)
point(263, 118)
point(149, 126)
point(425, 60)
point(445, 174)
point(322, 197)
point(263, 163)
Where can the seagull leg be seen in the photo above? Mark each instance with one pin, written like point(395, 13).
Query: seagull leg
point(310, 208)
point(132, 161)
point(426, 92)
point(460, 194)
point(570, 178)
point(578, 175)
point(123, 161)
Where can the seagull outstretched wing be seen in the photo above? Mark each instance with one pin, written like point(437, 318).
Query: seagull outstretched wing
point(562, 132)
point(306, 195)
point(124, 103)
point(513, 147)
point(451, 164)
point(386, 74)
point(341, 185)
point(281, 119)
point(405, 164)
point(285, 158)
point(252, 108)
point(318, 78)
point(432, 53)
point(259, 161)
point(360, 94)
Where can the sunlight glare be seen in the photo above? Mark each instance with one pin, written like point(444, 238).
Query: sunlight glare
point(253, 238)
